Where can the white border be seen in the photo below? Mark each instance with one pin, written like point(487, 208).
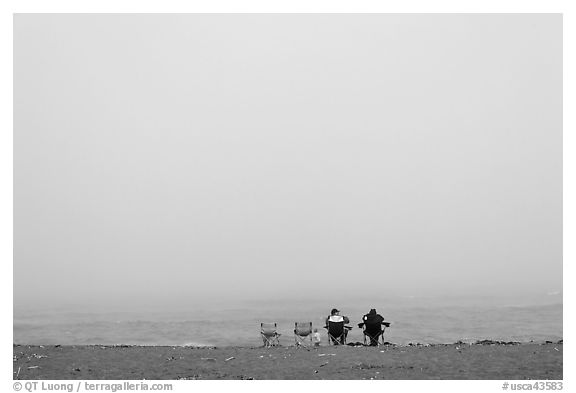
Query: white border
point(298, 6)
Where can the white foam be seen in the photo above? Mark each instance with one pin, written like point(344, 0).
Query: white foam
point(196, 344)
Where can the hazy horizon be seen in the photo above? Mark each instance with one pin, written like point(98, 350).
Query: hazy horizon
point(163, 158)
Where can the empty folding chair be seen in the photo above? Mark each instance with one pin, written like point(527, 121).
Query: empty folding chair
point(303, 334)
point(270, 335)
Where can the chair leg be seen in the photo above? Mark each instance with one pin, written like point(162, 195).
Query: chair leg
point(298, 342)
point(302, 341)
point(340, 340)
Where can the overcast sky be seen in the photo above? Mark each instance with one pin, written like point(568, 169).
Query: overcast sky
point(202, 156)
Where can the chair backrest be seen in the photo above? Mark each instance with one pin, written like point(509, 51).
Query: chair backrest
point(303, 328)
point(268, 329)
point(373, 328)
point(336, 329)
point(374, 331)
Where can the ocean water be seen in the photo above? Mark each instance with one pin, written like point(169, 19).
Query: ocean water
point(423, 320)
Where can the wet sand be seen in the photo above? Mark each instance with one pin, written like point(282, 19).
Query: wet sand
point(481, 361)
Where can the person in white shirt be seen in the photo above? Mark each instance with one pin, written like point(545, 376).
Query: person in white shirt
point(316, 338)
point(336, 318)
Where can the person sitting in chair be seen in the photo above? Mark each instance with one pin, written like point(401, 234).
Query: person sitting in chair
point(336, 318)
point(372, 323)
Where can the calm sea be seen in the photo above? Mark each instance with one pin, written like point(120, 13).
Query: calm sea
point(424, 320)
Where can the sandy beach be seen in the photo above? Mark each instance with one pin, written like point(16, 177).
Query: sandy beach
point(483, 360)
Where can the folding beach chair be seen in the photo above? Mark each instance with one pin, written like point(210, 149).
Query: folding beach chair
point(270, 335)
point(374, 335)
point(303, 333)
point(337, 332)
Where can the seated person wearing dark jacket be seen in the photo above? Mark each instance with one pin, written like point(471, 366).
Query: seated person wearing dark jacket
point(372, 323)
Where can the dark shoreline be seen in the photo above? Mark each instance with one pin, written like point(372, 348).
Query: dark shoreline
point(356, 344)
point(483, 360)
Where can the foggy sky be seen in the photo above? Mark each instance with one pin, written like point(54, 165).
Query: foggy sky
point(208, 156)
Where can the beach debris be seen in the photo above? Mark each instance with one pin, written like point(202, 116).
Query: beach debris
point(33, 356)
point(170, 358)
point(560, 342)
point(230, 358)
point(485, 342)
point(315, 371)
point(18, 373)
point(209, 359)
point(496, 342)
point(323, 364)
point(77, 369)
point(556, 349)
point(366, 366)
point(192, 377)
point(33, 367)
